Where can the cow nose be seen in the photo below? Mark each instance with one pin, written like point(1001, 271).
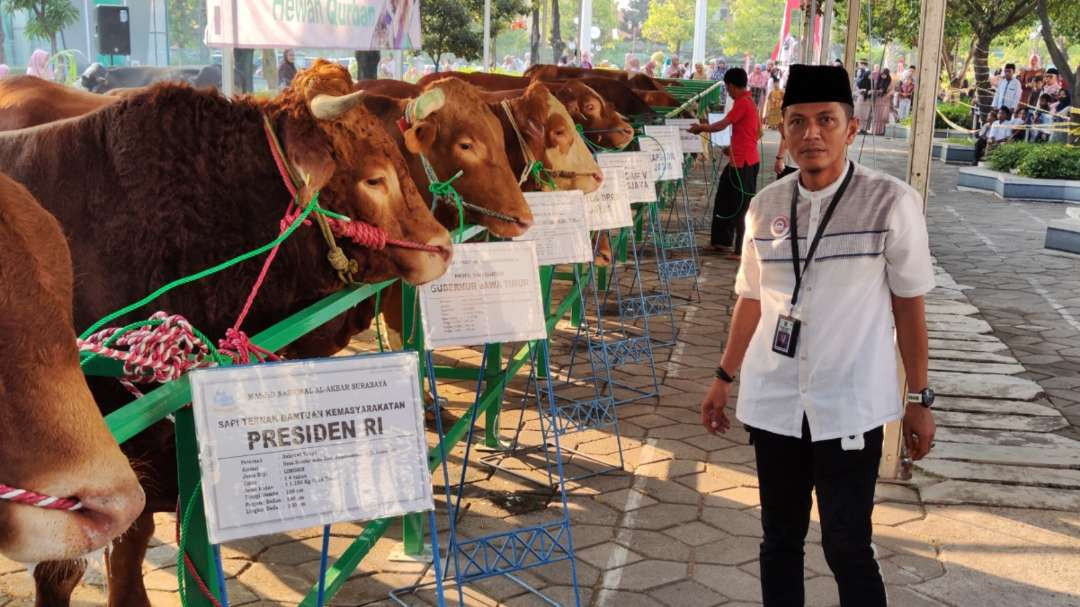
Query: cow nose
point(108, 514)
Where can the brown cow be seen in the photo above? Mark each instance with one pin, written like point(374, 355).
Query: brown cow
point(454, 129)
point(549, 72)
point(52, 437)
point(599, 118)
point(174, 180)
point(29, 101)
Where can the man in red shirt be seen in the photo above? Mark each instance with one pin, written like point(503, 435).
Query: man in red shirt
point(738, 182)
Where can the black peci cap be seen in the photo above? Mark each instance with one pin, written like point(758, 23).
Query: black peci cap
point(816, 84)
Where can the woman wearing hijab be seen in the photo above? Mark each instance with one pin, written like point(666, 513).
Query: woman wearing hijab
point(774, 102)
point(882, 102)
point(759, 80)
point(905, 93)
point(39, 65)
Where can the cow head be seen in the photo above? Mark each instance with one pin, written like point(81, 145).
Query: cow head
point(451, 125)
point(94, 77)
point(344, 152)
point(602, 124)
point(52, 437)
point(551, 137)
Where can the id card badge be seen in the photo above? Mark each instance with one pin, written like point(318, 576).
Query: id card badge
point(786, 337)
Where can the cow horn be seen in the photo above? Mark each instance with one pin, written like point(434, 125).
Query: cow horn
point(425, 104)
point(330, 107)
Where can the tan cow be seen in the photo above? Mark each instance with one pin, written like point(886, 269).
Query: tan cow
point(53, 439)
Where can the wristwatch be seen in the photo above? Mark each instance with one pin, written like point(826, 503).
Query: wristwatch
point(924, 398)
point(722, 375)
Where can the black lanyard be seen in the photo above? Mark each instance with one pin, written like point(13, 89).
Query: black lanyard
point(799, 273)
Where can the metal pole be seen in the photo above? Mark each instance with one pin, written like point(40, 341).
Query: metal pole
point(700, 26)
point(487, 35)
point(808, 33)
point(228, 71)
point(851, 43)
point(91, 56)
point(826, 33)
point(931, 36)
point(585, 33)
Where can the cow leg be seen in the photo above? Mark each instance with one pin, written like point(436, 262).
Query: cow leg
point(54, 581)
point(603, 257)
point(126, 588)
point(393, 316)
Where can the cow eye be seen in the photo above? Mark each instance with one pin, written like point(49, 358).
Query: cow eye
point(465, 146)
point(375, 181)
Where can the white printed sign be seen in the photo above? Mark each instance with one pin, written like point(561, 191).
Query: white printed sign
point(663, 143)
point(285, 446)
point(608, 208)
point(691, 143)
point(720, 138)
point(559, 227)
point(338, 24)
point(636, 171)
point(490, 294)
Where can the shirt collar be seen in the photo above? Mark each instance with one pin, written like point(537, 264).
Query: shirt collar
point(828, 190)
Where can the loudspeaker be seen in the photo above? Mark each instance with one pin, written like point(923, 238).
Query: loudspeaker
point(114, 30)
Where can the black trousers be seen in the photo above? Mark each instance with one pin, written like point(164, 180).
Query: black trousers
point(733, 194)
point(788, 470)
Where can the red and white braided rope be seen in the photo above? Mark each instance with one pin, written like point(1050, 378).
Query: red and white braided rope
point(38, 500)
point(154, 353)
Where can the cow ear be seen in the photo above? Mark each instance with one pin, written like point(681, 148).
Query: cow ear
point(420, 137)
point(310, 153)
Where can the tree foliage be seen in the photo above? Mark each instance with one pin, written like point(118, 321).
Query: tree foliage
point(46, 17)
point(754, 28)
point(448, 27)
point(670, 22)
point(187, 21)
point(1059, 22)
point(634, 16)
point(988, 20)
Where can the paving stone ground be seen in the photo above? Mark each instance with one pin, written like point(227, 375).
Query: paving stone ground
point(681, 526)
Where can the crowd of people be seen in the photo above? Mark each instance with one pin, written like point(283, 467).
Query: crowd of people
point(1029, 105)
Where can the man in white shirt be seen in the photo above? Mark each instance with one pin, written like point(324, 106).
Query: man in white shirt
point(1008, 90)
point(813, 331)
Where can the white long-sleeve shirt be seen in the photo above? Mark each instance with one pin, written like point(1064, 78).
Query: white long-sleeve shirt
point(1008, 94)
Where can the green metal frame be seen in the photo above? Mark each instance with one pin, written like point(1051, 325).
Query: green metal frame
point(172, 399)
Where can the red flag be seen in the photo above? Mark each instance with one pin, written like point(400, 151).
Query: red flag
point(785, 27)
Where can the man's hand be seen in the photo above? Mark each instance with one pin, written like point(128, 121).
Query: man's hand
point(698, 128)
point(919, 430)
point(712, 407)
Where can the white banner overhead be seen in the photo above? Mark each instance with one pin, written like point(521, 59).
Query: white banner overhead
point(337, 24)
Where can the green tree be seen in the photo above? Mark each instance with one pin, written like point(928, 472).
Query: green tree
point(988, 20)
point(503, 12)
point(634, 16)
point(47, 18)
point(1060, 22)
point(187, 21)
point(449, 28)
point(558, 46)
point(671, 22)
point(605, 17)
point(755, 27)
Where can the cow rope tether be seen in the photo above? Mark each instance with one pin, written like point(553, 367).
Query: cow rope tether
point(444, 192)
point(38, 500)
